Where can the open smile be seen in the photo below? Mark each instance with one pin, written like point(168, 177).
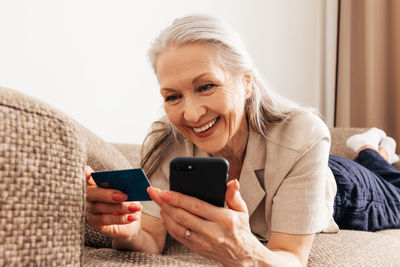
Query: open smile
point(206, 129)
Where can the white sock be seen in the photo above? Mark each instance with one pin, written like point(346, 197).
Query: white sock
point(372, 137)
point(389, 145)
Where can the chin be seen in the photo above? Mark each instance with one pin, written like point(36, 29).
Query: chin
point(210, 148)
point(209, 151)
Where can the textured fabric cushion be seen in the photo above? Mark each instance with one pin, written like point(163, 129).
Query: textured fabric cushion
point(41, 185)
point(391, 232)
point(345, 248)
point(131, 153)
point(101, 155)
point(339, 138)
point(355, 248)
point(174, 254)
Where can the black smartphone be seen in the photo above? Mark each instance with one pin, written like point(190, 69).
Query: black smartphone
point(203, 178)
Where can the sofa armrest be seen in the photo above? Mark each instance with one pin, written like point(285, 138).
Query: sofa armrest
point(42, 185)
point(339, 137)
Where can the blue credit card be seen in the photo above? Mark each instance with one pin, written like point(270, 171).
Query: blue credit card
point(132, 182)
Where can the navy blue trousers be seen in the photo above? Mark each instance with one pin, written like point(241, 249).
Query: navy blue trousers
point(368, 196)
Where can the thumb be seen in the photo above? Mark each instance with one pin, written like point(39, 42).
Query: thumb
point(88, 174)
point(233, 197)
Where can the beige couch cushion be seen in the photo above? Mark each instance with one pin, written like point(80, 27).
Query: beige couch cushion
point(42, 184)
point(355, 248)
point(345, 248)
point(339, 137)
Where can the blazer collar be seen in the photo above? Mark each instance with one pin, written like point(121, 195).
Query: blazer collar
point(250, 188)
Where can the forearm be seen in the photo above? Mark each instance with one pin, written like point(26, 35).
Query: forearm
point(142, 242)
point(282, 258)
point(259, 255)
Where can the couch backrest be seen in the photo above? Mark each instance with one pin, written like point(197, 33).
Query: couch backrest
point(339, 136)
point(42, 185)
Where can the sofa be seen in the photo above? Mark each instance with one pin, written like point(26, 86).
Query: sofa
point(42, 198)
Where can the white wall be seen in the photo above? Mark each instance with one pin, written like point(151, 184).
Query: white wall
point(88, 57)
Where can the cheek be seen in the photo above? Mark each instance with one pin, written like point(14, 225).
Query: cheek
point(172, 114)
point(234, 104)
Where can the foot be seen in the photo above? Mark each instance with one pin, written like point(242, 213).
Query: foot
point(370, 138)
point(389, 145)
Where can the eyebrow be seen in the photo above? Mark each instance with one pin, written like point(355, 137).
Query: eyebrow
point(194, 81)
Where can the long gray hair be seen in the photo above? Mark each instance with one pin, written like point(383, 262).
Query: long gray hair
point(263, 108)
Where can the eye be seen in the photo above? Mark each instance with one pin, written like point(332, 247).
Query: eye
point(206, 87)
point(172, 98)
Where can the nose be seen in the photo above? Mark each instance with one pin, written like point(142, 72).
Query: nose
point(194, 109)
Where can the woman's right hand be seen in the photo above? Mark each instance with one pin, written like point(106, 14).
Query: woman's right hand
point(107, 212)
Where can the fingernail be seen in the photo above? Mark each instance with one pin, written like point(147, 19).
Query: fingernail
point(118, 196)
point(132, 218)
point(157, 190)
point(135, 207)
point(150, 191)
point(153, 191)
point(237, 185)
point(166, 196)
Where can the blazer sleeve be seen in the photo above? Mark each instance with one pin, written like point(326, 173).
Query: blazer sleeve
point(303, 203)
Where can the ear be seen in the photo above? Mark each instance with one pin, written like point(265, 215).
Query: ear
point(248, 83)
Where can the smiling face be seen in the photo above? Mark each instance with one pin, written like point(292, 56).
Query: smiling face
point(203, 101)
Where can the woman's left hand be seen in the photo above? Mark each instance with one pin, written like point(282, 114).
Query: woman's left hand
point(220, 233)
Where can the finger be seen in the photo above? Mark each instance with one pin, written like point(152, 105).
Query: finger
point(98, 220)
point(154, 194)
point(88, 174)
point(120, 208)
point(98, 194)
point(176, 230)
point(191, 204)
point(88, 170)
point(196, 241)
point(185, 218)
point(90, 181)
point(233, 198)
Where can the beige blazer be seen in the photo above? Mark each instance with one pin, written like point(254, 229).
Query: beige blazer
point(285, 179)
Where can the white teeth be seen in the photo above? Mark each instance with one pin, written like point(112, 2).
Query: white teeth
point(205, 127)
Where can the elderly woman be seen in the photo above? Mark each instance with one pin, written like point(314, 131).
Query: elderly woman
point(217, 105)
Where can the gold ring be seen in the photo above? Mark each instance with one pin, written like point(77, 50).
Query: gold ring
point(188, 233)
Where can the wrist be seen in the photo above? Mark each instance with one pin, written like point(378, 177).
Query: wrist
point(127, 242)
point(257, 254)
point(263, 256)
point(141, 242)
point(254, 253)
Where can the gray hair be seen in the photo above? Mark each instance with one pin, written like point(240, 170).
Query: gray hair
point(263, 108)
